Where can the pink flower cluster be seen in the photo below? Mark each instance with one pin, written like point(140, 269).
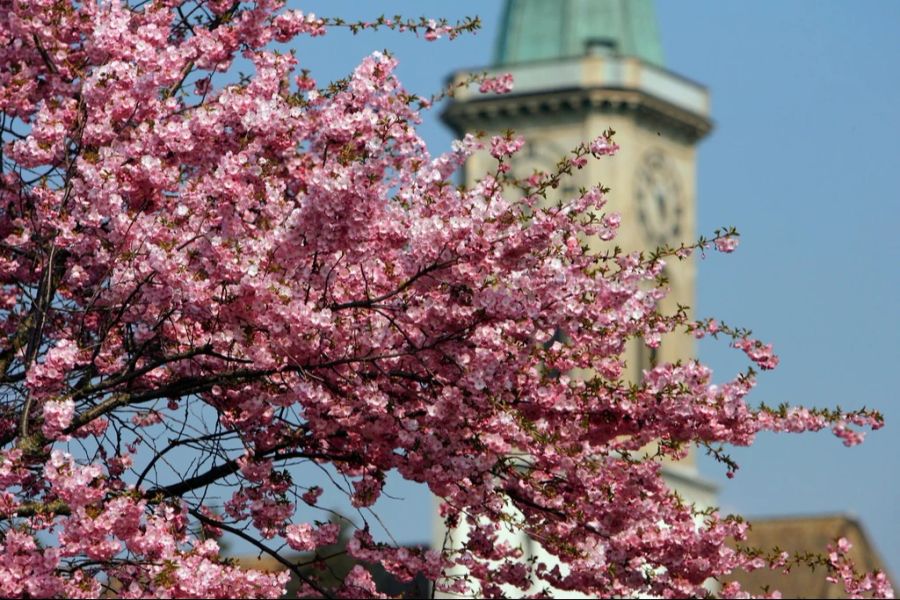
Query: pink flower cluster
point(726, 244)
point(603, 145)
point(292, 23)
point(305, 537)
point(434, 31)
point(57, 417)
point(503, 147)
point(759, 353)
point(499, 84)
point(871, 585)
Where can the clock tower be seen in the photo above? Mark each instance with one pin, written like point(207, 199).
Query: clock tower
point(581, 67)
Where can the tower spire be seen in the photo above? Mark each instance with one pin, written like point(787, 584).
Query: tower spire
point(534, 30)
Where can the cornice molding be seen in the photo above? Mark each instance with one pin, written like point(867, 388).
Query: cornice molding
point(487, 112)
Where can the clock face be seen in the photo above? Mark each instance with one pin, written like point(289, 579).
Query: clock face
point(658, 199)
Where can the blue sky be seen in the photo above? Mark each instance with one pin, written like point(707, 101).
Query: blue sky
point(805, 161)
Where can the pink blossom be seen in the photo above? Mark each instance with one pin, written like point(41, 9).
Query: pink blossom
point(502, 147)
point(726, 244)
point(603, 146)
point(609, 226)
point(856, 585)
point(500, 84)
point(305, 537)
point(359, 584)
point(57, 416)
point(758, 352)
point(147, 418)
point(78, 485)
point(311, 496)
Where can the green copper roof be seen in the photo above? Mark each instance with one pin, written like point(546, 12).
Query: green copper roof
point(553, 29)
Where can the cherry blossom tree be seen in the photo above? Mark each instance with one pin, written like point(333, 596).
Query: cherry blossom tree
point(208, 280)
